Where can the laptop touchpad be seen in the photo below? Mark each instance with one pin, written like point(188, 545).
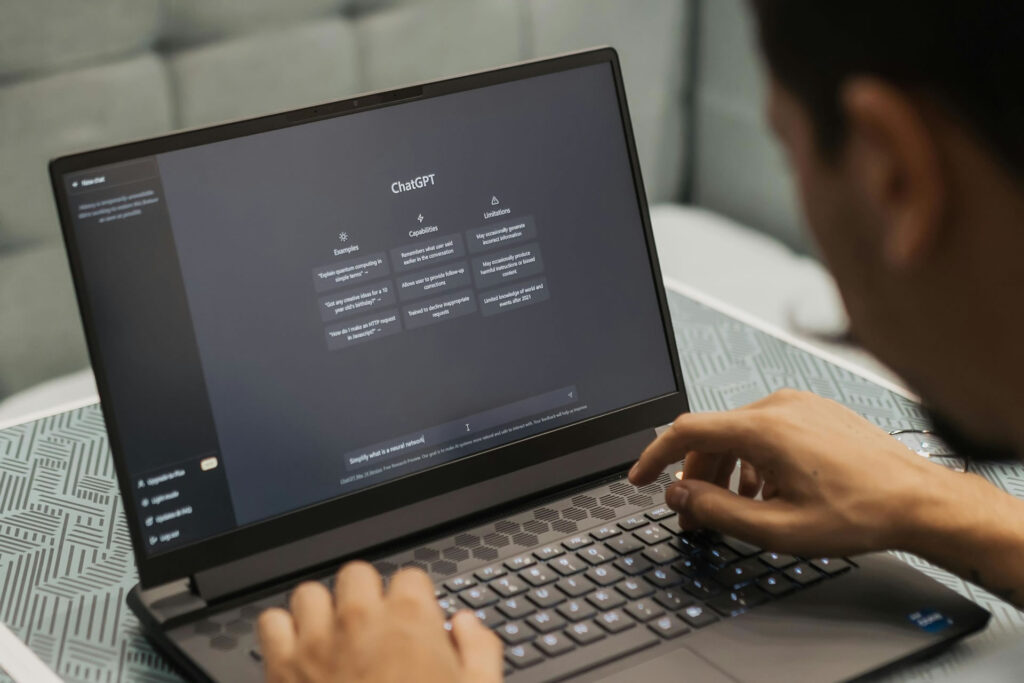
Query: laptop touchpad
point(678, 665)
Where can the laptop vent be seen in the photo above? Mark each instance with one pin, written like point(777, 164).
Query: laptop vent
point(522, 532)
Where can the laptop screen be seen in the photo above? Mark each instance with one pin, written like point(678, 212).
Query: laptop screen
point(287, 317)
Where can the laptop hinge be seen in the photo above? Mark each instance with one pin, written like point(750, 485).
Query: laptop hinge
point(349, 540)
point(161, 604)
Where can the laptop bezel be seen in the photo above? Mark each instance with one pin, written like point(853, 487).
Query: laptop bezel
point(486, 466)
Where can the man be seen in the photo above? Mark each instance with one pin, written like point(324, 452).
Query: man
point(903, 125)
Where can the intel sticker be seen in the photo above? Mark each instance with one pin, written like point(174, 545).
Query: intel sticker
point(930, 620)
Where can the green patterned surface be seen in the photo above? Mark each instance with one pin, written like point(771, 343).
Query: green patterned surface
point(66, 563)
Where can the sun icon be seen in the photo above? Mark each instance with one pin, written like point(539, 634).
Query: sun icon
point(343, 236)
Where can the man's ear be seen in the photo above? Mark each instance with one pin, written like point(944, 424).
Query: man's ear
point(895, 158)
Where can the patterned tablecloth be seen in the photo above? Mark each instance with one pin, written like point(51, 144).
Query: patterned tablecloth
point(66, 563)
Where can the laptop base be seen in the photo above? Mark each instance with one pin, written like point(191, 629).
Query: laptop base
point(859, 622)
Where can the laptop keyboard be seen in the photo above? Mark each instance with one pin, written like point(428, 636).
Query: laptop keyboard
point(597, 596)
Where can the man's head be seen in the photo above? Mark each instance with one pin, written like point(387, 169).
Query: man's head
point(904, 125)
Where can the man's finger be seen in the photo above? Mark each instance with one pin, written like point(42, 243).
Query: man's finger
point(411, 589)
point(720, 433)
point(705, 505)
point(750, 480)
point(480, 651)
point(357, 594)
point(277, 643)
point(313, 614)
point(702, 466)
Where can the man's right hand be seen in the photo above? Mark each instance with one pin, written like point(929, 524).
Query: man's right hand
point(833, 483)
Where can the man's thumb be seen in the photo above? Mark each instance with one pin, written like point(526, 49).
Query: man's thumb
point(703, 504)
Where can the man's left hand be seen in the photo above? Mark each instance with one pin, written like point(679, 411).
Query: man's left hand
point(366, 634)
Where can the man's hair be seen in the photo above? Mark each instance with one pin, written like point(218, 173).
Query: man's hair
point(965, 55)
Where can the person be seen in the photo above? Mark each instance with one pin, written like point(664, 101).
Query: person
point(902, 125)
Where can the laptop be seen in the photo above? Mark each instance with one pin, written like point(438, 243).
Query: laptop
point(427, 327)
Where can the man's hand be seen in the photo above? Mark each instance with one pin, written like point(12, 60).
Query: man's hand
point(365, 634)
point(833, 484)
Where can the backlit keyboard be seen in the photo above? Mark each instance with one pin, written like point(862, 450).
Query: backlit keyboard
point(599, 595)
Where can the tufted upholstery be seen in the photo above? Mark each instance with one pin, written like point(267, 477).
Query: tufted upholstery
point(77, 74)
point(739, 171)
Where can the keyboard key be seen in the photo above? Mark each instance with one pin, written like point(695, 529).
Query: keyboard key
point(673, 599)
point(604, 575)
point(554, 644)
point(803, 573)
point(702, 588)
point(596, 554)
point(668, 626)
point(720, 556)
point(663, 553)
point(450, 604)
point(479, 596)
point(604, 532)
point(548, 552)
point(491, 572)
point(777, 560)
point(635, 588)
point(490, 617)
point(738, 601)
point(689, 543)
point(742, 572)
point(605, 599)
point(585, 632)
point(614, 621)
point(660, 513)
point(690, 566)
point(633, 564)
point(632, 523)
point(831, 565)
point(507, 586)
point(575, 586)
point(663, 577)
point(576, 610)
point(698, 616)
point(546, 621)
point(519, 562)
point(516, 608)
point(644, 610)
point(538, 575)
point(568, 565)
point(459, 583)
point(545, 596)
point(652, 534)
point(515, 632)
point(775, 584)
point(672, 524)
point(741, 548)
point(624, 545)
point(522, 656)
point(576, 542)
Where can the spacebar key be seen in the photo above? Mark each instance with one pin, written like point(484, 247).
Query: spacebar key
point(589, 657)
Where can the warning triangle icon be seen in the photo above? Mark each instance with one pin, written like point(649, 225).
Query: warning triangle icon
point(494, 201)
